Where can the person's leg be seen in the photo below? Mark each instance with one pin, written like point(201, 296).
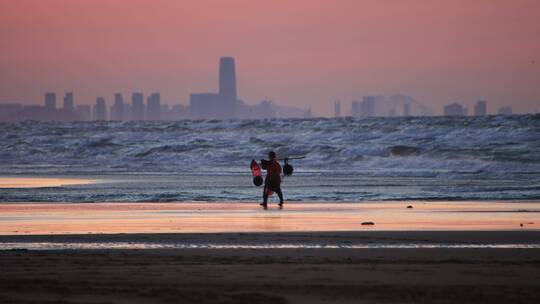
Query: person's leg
point(265, 196)
point(280, 194)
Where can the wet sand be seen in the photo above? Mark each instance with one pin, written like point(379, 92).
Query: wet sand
point(84, 218)
point(275, 275)
point(36, 182)
point(332, 272)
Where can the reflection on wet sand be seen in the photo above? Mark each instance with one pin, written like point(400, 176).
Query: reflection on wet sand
point(245, 217)
point(23, 182)
point(147, 245)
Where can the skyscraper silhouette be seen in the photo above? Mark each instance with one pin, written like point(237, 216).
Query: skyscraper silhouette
point(137, 106)
point(223, 105)
point(153, 107)
point(68, 102)
point(117, 110)
point(227, 79)
point(100, 109)
point(50, 100)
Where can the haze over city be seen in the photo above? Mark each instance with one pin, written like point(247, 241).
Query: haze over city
point(304, 54)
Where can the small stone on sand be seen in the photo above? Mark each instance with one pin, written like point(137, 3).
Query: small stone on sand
point(368, 223)
point(409, 207)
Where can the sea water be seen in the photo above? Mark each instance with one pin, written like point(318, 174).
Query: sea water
point(346, 159)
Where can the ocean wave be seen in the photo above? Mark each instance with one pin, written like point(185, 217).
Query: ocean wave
point(492, 144)
point(404, 150)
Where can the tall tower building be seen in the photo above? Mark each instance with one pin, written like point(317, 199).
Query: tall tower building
point(117, 109)
point(221, 105)
point(50, 100)
point(153, 107)
point(137, 106)
point(100, 109)
point(227, 79)
point(68, 102)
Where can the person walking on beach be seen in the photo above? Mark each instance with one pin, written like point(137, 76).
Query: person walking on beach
point(272, 182)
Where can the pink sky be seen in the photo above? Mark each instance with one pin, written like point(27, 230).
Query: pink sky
point(296, 52)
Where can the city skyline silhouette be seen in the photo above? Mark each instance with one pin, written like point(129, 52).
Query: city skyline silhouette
point(301, 54)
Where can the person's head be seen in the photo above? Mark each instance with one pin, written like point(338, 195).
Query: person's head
point(272, 155)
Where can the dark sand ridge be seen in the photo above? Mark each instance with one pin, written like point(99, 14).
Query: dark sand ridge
point(276, 275)
point(323, 237)
point(271, 276)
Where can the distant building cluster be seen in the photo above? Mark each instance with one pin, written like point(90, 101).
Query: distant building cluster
point(49, 111)
point(226, 105)
point(480, 108)
point(222, 105)
point(119, 111)
point(370, 106)
point(403, 105)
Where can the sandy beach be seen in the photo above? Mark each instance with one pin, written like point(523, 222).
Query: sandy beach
point(300, 275)
point(35, 182)
point(206, 217)
point(435, 252)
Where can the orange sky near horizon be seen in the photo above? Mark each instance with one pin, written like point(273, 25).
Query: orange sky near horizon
point(298, 53)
